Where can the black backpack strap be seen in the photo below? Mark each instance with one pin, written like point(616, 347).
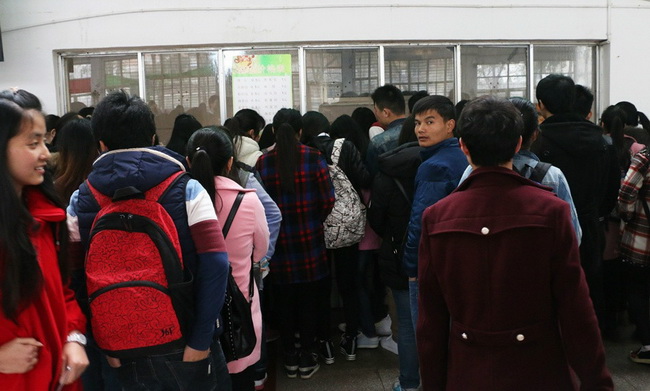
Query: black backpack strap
point(226, 228)
point(539, 172)
point(231, 215)
point(402, 190)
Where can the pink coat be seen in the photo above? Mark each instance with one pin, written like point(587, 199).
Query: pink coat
point(248, 235)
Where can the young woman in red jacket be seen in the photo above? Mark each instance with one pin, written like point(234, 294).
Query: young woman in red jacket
point(41, 325)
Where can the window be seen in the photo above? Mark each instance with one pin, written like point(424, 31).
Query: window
point(340, 80)
point(413, 69)
point(91, 78)
point(494, 70)
point(179, 83)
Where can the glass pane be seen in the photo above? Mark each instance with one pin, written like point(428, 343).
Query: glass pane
point(91, 78)
point(418, 68)
point(494, 70)
point(340, 80)
point(182, 83)
point(262, 80)
point(575, 61)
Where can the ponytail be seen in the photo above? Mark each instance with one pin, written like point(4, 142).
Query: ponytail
point(287, 149)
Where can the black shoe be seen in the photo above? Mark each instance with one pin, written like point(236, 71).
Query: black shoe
point(308, 364)
point(326, 351)
point(349, 346)
point(291, 364)
point(641, 357)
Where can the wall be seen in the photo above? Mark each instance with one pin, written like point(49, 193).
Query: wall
point(33, 30)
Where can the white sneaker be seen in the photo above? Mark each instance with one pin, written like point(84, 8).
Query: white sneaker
point(389, 344)
point(382, 328)
point(364, 342)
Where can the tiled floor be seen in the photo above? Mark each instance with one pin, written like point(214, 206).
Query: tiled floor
point(376, 370)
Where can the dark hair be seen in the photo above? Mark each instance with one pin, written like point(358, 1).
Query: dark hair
point(557, 93)
point(460, 105)
point(613, 122)
point(415, 98)
point(364, 118)
point(267, 138)
point(184, 126)
point(490, 128)
point(389, 97)
point(290, 116)
point(345, 127)
point(287, 150)
point(529, 117)
point(584, 101)
point(20, 273)
point(439, 103)
point(78, 150)
point(50, 122)
point(249, 119)
point(633, 116)
point(407, 134)
point(313, 124)
point(209, 150)
point(65, 118)
point(122, 121)
point(22, 98)
point(87, 112)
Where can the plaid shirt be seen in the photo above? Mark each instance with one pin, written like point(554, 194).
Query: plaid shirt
point(635, 246)
point(300, 250)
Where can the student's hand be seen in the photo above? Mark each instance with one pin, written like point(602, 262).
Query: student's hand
point(191, 355)
point(113, 362)
point(75, 362)
point(19, 355)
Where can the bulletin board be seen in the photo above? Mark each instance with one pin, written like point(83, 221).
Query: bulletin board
point(262, 82)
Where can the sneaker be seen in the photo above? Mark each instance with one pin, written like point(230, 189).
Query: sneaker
point(398, 387)
point(389, 344)
point(640, 356)
point(308, 365)
point(291, 364)
point(342, 327)
point(364, 342)
point(382, 328)
point(349, 347)
point(326, 351)
point(259, 384)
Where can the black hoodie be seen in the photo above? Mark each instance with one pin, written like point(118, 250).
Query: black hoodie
point(390, 210)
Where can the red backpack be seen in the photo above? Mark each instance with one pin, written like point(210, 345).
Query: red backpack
point(139, 294)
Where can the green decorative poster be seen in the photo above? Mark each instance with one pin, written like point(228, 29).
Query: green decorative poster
point(262, 82)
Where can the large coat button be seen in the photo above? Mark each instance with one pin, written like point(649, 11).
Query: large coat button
point(485, 230)
point(464, 335)
point(520, 337)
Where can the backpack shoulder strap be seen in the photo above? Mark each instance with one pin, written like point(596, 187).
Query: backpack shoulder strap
point(231, 215)
point(539, 172)
point(336, 150)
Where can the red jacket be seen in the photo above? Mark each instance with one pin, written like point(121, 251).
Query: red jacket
point(52, 315)
point(503, 300)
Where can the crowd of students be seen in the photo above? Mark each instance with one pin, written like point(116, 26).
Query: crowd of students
point(274, 187)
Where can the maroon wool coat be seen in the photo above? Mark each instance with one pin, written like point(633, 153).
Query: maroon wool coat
point(503, 302)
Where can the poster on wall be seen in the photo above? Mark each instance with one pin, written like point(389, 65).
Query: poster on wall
point(262, 82)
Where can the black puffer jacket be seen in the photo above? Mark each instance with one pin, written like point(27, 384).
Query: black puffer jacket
point(389, 210)
point(350, 161)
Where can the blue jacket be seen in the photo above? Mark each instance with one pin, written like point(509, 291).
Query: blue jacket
point(438, 175)
point(188, 204)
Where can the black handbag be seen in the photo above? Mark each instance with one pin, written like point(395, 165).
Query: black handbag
point(238, 338)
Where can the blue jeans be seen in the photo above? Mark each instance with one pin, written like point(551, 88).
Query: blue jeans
point(409, 369)
point(169, 372)
point(413, 297)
